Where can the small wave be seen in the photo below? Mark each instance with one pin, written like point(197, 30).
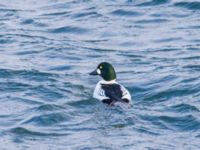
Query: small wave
point(156, 21)
point(27, 52)
point(14, 86)
point(28, 21)
point(60, 68)
point(183, 123)
point(82, 103)
point(177, 89)
point(9, 10)
point(56, 13)
point(121, 12)
point(6, 39)
point(147, 131)
point(22, 131)
point(49, 107)
point(173, 123)
point(26, 74)
point(69, 29)
point(154, 2)
point(86, 14)
point(32, 22)
point(166, 94)
point(47, 119)
point(167, 40)
point(189, 5)
point(193, 67)
point(48, 93)
point(183, 108)
point(191, 58)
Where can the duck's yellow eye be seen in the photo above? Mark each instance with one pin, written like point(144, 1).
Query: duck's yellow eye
point(100, 67)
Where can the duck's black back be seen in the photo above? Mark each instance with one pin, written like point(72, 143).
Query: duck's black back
point(113, 91)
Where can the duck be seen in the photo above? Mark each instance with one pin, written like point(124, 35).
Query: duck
point(108, 90)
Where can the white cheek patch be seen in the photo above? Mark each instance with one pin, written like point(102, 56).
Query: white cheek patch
point(98, 71)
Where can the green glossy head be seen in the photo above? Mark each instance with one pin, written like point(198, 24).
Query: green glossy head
point(105, 70)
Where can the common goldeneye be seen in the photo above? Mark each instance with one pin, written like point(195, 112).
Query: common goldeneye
point(108, 90)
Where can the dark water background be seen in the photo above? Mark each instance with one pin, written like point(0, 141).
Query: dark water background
point(47, 48)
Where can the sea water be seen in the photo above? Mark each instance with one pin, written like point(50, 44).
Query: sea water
point(47, 49)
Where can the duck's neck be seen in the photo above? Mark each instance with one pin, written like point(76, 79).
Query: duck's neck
point(108, 82)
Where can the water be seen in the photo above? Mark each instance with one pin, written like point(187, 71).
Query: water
point(47, 49)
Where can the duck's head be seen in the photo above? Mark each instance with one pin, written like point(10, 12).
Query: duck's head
point(105, 70)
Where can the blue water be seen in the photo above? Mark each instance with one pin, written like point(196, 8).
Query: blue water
point(47, 49)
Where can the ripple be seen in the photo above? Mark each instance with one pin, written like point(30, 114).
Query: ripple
point(28, 21)
point(69, 29)
point(183, 108)
point(193, 67)
point(56, 13)
point(154, 2)
point(14, 86)
point(151, 21)
point(32, 22)
point(60, 68)
point(46, 92)
point(9, 10)
point(189, 5)
point(192, 58)
point(174, 123)
point(168, 40)
point(49, 107)
point(147, 131)
point(26, 74)
point(82, 103)
point(47, 119)
point(183, 123)
point(86, 14)
point(22, 131)
point(121, 12)
point(172, 92)
point(5, 40)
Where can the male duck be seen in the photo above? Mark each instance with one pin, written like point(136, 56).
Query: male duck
point(108, 90)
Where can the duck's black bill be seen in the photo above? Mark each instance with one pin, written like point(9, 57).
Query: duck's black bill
point(94, 72)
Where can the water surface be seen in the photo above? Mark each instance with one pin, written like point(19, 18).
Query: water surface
point(47, 49)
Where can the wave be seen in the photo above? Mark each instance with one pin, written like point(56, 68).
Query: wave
point(121, 12)
point(69, 29)
point(23, 131)
point(154, 2)
point(47, 119)
point(189, 5)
